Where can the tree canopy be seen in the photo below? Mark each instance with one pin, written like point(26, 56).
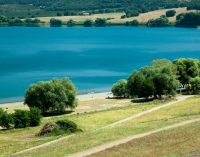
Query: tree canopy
point(52, 96)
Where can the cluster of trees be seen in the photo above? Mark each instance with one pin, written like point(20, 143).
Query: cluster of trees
point(163, 77)
point(18, 22)
point(188, 20)
point(99, 22)
point(159, 22)
point(20, 118)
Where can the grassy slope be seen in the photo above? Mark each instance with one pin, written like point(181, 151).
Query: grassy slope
point(188, 109)
point(19, 139)
point(179, 142)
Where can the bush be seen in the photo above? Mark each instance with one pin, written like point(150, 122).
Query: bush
point(21, 119)
point(6, 120)
point(35, 116)
point(159, 22)
point(132, 23)
point(52, 96)
point(100, 22)
point(67, 125)
point(70, 23)
point(55, 22)
point(195, 84)
point(170, 13)
point(119, 89)
point(88, 23)
point(47, 129)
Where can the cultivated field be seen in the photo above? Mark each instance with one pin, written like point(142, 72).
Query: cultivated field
point(115, 18)
point(91, 124)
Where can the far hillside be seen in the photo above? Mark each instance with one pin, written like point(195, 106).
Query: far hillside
point(38, 8)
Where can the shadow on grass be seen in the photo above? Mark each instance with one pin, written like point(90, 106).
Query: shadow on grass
point(57, 113)
point(142, 100)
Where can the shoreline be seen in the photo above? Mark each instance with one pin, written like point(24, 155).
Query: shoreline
point(81, 97)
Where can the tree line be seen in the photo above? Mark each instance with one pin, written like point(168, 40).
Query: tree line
point(162, 78)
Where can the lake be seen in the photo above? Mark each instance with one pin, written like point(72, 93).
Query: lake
point(93, 58)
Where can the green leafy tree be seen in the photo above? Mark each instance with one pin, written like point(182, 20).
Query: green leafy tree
point(187, 69)
point(159, 22)
point(195, 84)
point(119, 89)
point(52, 96)
point(100, 22)
point(170, 13)
point(55, 22)
point(88, 23)
point(70, 23)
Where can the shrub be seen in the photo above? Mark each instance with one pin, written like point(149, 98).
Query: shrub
point(6, 120)
point(21, 119)
point(132, 23)
point(55, 22)
point(119, 89)
point(88, 23)
point(100, 22)
point(35, 116)
point(170, 13)
point(52, 96)
point(195, 84)
point(70, 23)
point(159, 22)
point(47, 129)
point(67, 125)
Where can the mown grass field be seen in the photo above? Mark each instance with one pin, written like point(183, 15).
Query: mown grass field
point(19, 139)
point(188, 109)
point(179, 142)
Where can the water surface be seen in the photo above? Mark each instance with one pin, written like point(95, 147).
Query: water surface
point(94, 58)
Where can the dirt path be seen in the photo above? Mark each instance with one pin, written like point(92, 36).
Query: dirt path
point(179, 98)
point(130, 138)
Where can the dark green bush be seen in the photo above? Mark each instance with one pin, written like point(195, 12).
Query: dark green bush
point(88, 23)
point(21, 119)
point(67, 125)
point(55, 22)
point(6, 120)
point(100, 22)
point(35, 116)
point(170, 13)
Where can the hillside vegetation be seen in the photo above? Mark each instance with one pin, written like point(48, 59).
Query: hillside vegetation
point(30, 8)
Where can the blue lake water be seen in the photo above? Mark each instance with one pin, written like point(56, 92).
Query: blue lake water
point(93, 58)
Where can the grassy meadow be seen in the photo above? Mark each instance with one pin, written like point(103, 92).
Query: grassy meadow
point(93, 136)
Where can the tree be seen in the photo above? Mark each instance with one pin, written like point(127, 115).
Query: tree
point(70, 23)
point(135, 82)
point(55, 22)
point(52, 96)
point(132, 23)
point(100, 22)
point(88, 23)
point(6, 119)
point(195, 84)
point(159, 22)
point(119, 89)
point(170, 13)
point(148, 88)
point(187, 69)
point(188, 20)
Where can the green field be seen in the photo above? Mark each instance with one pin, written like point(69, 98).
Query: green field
point(19, 139)
point(92, 136)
